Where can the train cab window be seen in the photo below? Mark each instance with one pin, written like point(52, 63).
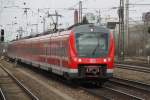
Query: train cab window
point(91, 44)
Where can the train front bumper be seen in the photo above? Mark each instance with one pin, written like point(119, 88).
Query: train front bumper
point(81, 74)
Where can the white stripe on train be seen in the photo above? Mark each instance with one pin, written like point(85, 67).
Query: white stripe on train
point(55, 69)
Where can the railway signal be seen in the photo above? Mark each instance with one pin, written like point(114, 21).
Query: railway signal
point(2, 35)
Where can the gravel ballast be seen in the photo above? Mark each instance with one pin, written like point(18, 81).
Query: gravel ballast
point(46, 88)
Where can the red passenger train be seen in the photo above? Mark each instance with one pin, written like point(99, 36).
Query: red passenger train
point(83, 52)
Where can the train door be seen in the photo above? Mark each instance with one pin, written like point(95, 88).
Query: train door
point(46, 46)
point(60, 53)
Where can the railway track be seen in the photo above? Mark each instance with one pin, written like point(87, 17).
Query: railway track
point(2, 96)
point(140, 59)
point(137, 61)
point(116, 93)
point(138, 90)
point(111, 91)
point(122, 89)
point(13, 88)
point(130, 83)
point(133, 67)
point(53, 77)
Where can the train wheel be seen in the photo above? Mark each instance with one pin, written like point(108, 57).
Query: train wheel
point(99, 84)
point(66, 76)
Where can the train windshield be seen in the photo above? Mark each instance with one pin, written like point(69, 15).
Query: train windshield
point(92, 45)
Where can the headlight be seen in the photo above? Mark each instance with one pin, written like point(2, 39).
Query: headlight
point(109, 59)
point(79, 60)
point(105, 60)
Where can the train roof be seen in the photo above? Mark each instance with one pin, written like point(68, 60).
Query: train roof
point(90, 27)
point(76, 29)
point(44, 37)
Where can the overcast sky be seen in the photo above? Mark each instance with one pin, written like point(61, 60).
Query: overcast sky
point(11, 15)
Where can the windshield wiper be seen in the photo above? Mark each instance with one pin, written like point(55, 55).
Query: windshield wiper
point(93, 52)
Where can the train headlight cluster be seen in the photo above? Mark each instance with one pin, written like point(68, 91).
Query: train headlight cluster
point(107, 60)
point(76, 59)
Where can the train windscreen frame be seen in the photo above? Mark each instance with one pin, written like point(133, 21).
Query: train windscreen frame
point(92, 44)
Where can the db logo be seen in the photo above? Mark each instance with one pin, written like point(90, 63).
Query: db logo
point(92, 60)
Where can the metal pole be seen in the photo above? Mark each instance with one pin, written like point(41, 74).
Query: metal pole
point(127, 25)
point(56, 20)
point(99, 17)
point(121, 31)
point(148, 59)
point(119, 40)
point(144, 37)
point(43, 24)
point(80, 11)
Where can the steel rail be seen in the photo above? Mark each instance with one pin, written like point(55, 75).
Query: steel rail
point(20, 84)
point(134, 84)
point(93, 93)
point(2, 96)
point(133, 67)
point(124, 93)
point(111, 89)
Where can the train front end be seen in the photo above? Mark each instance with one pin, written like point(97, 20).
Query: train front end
point(91, 52)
